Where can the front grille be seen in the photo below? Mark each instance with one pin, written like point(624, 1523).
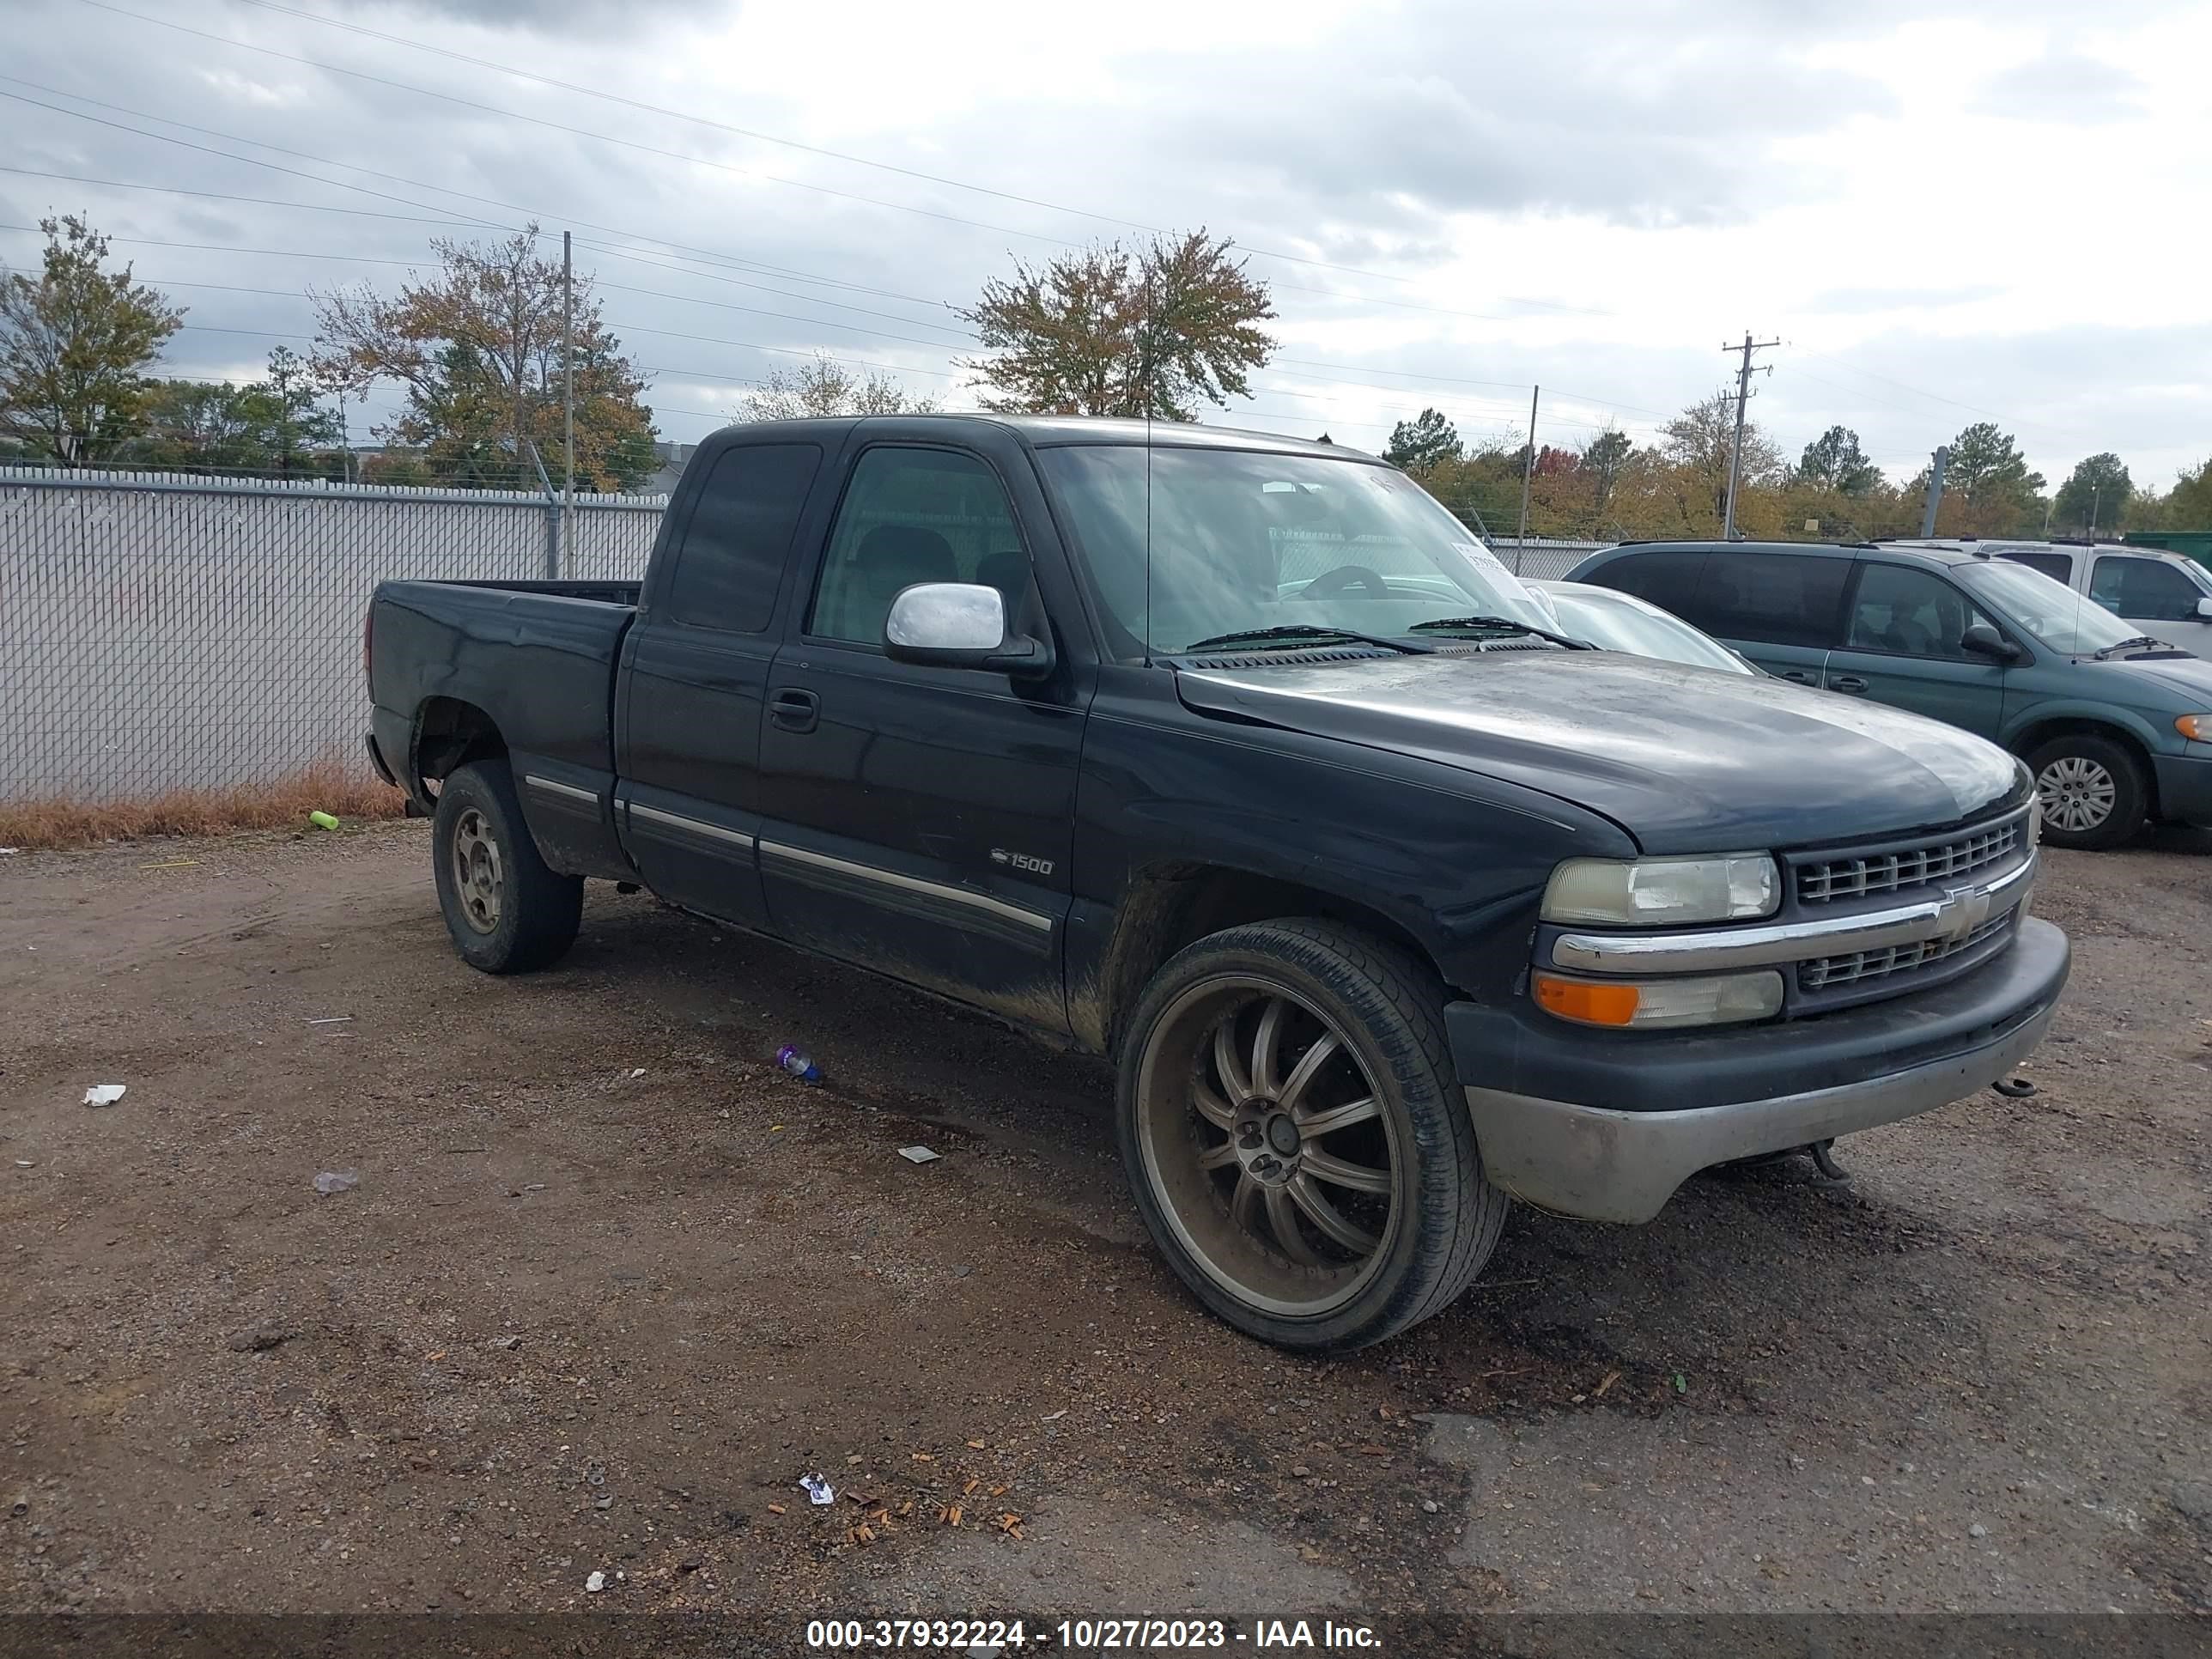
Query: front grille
point(1857, 967)
point(1822, 880)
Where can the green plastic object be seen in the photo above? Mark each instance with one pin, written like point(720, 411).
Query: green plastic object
point(322, 820)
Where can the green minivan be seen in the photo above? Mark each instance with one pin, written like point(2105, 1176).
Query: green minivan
point(2117, 728)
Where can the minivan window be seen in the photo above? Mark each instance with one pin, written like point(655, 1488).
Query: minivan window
point(1185, 544)
point(1909, 612)
point(735, 546)
point(2053, 612)
point(1668, 581)
point(1775, 598)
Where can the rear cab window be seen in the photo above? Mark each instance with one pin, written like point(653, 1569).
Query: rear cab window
point(730, 558)
point(2059, 566)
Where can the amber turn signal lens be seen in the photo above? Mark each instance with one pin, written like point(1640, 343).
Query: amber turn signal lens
point(2198, 728)
point(1593, 1004)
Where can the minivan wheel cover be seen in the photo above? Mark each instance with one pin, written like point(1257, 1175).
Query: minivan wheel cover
point(2077, 794)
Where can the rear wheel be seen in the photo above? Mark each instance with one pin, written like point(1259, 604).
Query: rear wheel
point(508, 910)
point(1296, 1141)
point(2093, 791)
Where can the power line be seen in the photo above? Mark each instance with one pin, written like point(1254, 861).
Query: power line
point(816, 150)
point(725, 167)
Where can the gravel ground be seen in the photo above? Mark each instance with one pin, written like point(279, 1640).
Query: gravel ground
point(610, 1284)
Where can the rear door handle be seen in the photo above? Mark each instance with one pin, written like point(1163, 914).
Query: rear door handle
point(1801, 677)
point(794, 710)
point(1850, 682)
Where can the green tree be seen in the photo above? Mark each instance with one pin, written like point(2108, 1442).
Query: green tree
point(1107, 331)
point(1834, 461)
point(2094, 495)
point(478, 349)
point(75, 345)
point(272, 428)
point(2189, 503)
point(1422, 445)
point(1604, 457)
point(1986, 468)
point(826, 387)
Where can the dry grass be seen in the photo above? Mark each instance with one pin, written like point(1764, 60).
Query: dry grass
point(329, 787)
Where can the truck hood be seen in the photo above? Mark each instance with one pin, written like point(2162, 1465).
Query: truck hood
point(1684, 759)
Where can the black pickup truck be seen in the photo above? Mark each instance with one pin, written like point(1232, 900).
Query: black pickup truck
point(1235, 759)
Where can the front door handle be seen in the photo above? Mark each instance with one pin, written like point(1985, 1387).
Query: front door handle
point(1850, 682)
point(794, 710)
point(1801, 677)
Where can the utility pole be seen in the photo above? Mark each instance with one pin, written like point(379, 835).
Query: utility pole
point(1528, 473)
point(2096, 492)
point(1735, 448)
point(568, 402)
point(1942, 459)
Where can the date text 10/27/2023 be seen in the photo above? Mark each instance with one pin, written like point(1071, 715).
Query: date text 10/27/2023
point(1090, 1635)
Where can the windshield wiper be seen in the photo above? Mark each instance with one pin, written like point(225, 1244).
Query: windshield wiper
point(2102, 651)
point(1469, 623)
point(1288, 631)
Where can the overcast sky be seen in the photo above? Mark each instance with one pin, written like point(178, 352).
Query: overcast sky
point(1945, 210)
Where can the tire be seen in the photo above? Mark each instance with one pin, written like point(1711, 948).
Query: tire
point(1198, 1131)
point(2093, 791)
point(507, 911)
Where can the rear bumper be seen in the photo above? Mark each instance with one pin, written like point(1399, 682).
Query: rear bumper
point(2185, 786)
point(376, 759)
point(1607, 1127)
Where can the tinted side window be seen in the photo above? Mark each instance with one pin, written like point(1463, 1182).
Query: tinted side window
point(733, 553)
point(1912, 613)
point(2057, 566)
point(915, 515)
point(1668, 581)
point(1776, 599)
point(2148, 590)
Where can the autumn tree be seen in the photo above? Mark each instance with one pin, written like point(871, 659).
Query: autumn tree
point(826, 387)
point(478, 350)
point(1698, 444)
point(76, 341)
point(2095, 493)
point(1421, 445)
point(1109, 331)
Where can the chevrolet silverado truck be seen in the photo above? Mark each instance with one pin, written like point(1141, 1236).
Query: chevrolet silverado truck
point(1235, 760)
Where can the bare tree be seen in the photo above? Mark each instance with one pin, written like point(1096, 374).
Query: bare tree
point(826, 387)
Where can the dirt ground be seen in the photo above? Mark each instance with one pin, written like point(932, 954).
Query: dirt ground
point(609, 1284)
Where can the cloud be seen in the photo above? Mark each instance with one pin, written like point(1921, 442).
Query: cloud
point(2063, 87)
point(1852, 302)
point(546, 16)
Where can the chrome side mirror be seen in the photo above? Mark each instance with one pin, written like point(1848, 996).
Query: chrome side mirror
point(960, 625)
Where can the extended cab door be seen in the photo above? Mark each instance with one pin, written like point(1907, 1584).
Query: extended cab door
point(1902, 629)
point(2158, 596)
point(919, 820)
point(695, 676)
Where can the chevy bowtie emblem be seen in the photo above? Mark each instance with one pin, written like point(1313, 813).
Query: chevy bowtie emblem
point(1963, 910)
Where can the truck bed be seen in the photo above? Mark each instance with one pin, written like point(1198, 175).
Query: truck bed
point(538, 657)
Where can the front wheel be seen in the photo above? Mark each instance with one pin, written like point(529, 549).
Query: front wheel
point(1295, 1138)
point(508, 910)
point(2092, 789)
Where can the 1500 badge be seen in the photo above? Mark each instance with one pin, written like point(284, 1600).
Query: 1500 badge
point(1021, 861)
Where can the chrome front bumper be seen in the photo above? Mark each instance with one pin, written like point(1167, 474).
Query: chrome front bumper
point(1605, 1164)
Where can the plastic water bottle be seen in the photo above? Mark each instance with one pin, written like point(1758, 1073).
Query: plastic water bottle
point(795, 1062)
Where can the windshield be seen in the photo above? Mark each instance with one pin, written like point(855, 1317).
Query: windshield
point(2061, 619)
point(1242, 542)
point(1618, 622)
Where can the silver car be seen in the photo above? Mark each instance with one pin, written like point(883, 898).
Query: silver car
point(1614, 620)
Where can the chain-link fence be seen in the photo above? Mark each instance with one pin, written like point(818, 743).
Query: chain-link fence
point(165, 633)
point(162, 633)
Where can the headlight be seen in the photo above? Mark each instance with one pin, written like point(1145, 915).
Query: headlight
point(1660, 1004)
point(2198, 728)
point(1662, 892)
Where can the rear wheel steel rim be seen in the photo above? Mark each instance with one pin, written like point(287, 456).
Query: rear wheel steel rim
point(1268, 1147)
point(2077, 794)
point(477, 871)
